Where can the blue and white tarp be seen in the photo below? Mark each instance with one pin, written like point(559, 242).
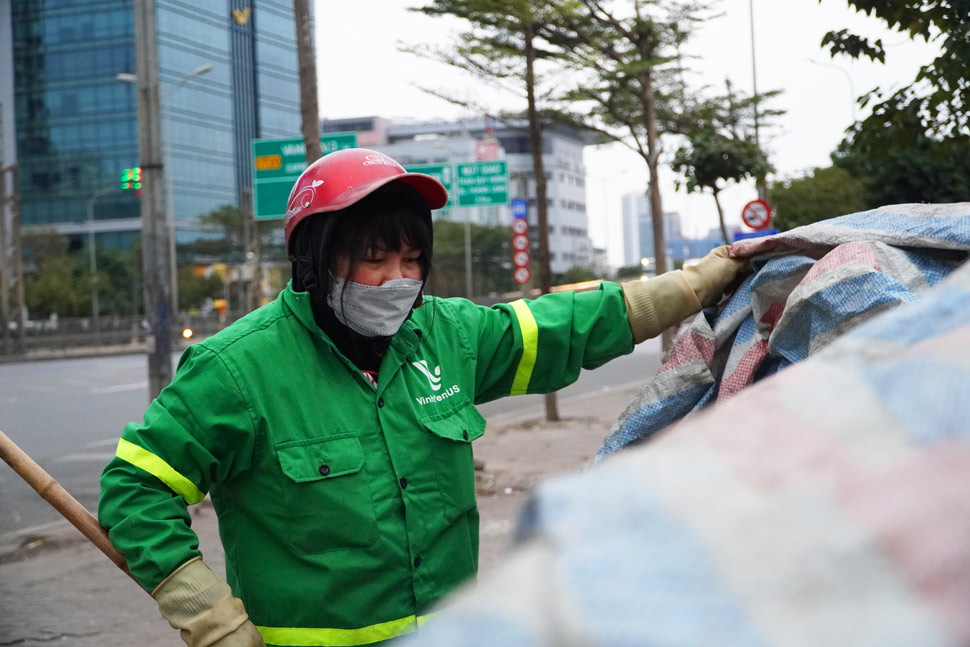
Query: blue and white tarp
point(828, 504)
point(809, 286)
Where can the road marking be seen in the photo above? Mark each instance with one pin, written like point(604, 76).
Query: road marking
point(118, 388)
point(107, 442)
point(101, 457)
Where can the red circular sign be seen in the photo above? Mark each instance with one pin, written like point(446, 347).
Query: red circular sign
point(520, 225)
point(756, 214)
point(520, 259)
point(521, 275)
point(520, 242)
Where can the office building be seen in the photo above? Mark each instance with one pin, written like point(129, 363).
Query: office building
point(481, 139)
point(228, 75)
point(638, 228)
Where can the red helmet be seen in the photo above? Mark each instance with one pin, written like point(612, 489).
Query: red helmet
point(339, 179)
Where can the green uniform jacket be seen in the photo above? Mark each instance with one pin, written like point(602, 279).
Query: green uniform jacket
point(345, 510)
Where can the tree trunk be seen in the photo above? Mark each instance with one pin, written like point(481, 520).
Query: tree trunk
point(720, 217)
point(539, 171)
point(309, 113)
point(656, 204)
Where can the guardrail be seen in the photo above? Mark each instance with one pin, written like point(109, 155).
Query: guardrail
point(62, 337)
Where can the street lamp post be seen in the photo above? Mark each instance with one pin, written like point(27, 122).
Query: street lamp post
point(92, 259)
point(169, 180)
point(157, 234)
point(156, 263)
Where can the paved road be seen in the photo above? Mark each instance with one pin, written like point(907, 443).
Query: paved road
point(62, 590)
point(67, 415)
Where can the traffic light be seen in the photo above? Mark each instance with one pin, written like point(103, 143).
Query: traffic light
point(131, 179)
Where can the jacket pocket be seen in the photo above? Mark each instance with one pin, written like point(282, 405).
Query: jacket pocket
point(451, 438)
point(326, 495)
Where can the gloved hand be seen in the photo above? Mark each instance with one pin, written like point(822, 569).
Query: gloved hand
point(197, 601)
point(661, 302)
point(714, 274)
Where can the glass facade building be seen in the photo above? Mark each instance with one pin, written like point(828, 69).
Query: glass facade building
point(228, 74)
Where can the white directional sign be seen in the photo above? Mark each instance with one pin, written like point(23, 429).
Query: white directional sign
point(481, 184)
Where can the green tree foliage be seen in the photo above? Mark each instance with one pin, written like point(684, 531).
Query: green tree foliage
point(228, 225)
point(505, 47)
point(491, 260)
point(628, 272)
point(720, 144)
point(62, 283)
point(825, 193)
point(626, 61)
point(119, 282)
point(915, 145)
point(899, 162)
point(196, 288)
point(940, 93)
point(578, 274)
point(711, 160)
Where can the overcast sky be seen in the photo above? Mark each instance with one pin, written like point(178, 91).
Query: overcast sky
point(361, 72)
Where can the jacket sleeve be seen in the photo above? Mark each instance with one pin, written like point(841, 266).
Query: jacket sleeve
point(195, 435)
point(540, 345)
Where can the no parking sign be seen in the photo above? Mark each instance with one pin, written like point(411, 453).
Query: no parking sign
point(756, 214)
point(520, 249)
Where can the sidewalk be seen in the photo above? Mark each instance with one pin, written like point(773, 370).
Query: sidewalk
point(58, 588)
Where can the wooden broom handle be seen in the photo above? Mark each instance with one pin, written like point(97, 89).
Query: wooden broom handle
point(62, 501)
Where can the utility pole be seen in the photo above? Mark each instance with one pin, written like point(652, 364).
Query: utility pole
point(11, 260)
point(309, 112)
point(156, 248)
point(760, 181)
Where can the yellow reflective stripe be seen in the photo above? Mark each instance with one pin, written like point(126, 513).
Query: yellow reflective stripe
point(320, 637)
point(530, 346)
point(140, 457)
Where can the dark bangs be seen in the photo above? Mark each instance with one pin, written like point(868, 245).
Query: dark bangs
point(390, 218)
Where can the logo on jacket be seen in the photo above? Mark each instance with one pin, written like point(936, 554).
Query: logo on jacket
point(434, 377)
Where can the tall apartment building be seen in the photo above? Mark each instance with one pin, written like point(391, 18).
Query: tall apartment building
point(228, 71)
point(452, 142)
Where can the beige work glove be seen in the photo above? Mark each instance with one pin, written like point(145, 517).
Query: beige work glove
point(198, 602)
point(661, 302)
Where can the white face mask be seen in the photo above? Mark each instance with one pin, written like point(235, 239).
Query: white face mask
point(373, 310)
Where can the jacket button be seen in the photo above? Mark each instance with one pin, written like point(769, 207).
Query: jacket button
point(324, 469)
point(417, 561)
point(380, 402)
point(464, 434)
point(404, 483)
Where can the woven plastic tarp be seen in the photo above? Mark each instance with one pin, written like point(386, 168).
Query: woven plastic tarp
point(826, 505)
point(809, 286)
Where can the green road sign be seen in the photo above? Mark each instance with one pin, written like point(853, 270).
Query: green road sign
point(277, 163)
point(444, 173)
point(483, 183)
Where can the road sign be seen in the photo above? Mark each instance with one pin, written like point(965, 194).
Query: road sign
point(756, 214)
point(521, 259)
point(520, 242)
point(521, 275)
point(444, 173)
point(482, 184)
point(520, 226)
point(277, 163)
point(520, 208)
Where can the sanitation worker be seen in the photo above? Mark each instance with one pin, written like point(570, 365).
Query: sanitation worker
point(332, 428)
